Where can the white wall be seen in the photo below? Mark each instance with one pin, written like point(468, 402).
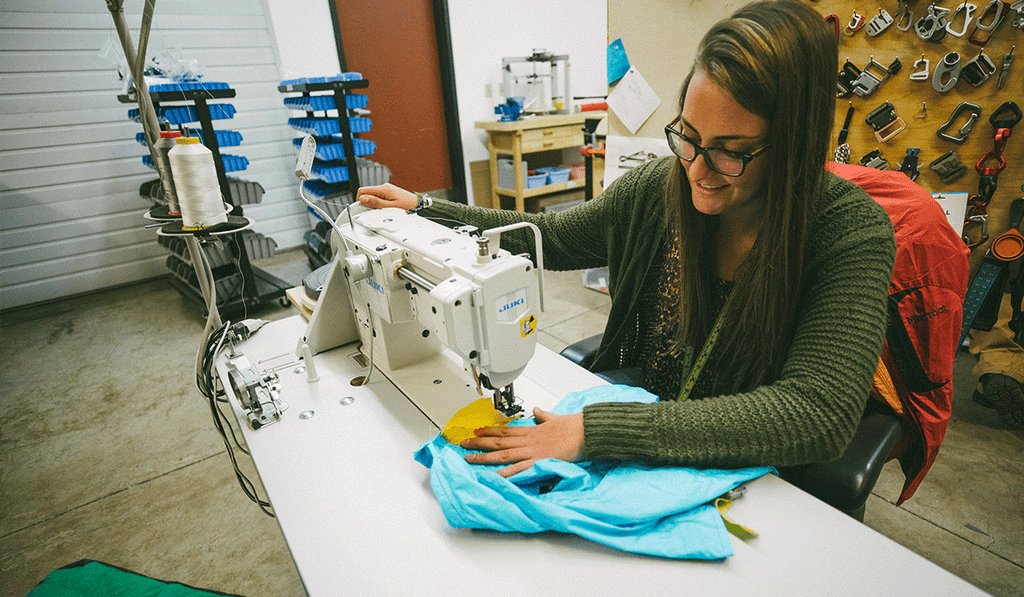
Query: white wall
point(70, 169)
point(662, 59)
point(485, 31)
point(305, 38)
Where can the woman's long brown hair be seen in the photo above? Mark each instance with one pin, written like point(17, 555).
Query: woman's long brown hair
point(778, 60)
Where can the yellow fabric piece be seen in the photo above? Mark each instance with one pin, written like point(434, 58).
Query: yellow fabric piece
point(476, 414)
point(884, 389)
point(740, 531)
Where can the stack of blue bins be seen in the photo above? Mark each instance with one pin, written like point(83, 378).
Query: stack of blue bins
point(330, 172)
point(178, 116)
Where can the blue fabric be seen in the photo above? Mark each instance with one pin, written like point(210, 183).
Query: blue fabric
point(660, 511)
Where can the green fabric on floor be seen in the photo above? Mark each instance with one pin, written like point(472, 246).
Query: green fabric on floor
point(96, 579)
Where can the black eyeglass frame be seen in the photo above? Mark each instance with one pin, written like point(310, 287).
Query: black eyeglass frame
point(745, 158)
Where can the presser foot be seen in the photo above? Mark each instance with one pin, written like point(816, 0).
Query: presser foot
point(505, 402)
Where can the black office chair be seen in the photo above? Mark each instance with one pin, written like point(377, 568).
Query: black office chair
point(844, 483)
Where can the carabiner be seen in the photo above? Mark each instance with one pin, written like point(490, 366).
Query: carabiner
point(976, 213)
point(965, 129)
point(968, 10)
point(999, 122)
point(921, 70)
point(981, 219)
point(834, 18)
point(904, 17)
point(994, 6)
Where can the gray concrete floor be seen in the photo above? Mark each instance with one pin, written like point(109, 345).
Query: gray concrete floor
point(107, 452)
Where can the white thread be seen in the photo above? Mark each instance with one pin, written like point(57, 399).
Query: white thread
point(163, 146)
point(195, 180)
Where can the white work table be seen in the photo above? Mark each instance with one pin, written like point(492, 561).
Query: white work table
point(359, 517)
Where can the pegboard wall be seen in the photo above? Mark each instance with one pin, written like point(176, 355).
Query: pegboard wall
point(923, 109)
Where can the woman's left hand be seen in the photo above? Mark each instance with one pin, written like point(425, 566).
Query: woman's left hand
point(554, 436)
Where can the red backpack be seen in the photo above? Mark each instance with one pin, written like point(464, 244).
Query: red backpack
point(926, 297)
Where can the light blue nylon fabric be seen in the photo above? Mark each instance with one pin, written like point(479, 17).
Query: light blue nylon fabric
point(660, 511)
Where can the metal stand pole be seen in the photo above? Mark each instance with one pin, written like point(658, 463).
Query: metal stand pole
point(151, 126)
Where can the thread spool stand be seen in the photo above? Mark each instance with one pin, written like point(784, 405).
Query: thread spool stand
point(256, 286)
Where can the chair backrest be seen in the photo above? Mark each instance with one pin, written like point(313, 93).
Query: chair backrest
point(926, 297)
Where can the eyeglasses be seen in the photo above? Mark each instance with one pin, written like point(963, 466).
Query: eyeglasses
point(726, 163)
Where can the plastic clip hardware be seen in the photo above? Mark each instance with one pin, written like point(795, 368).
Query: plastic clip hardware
point(921, 71)
point(948, 167)
point(932, 26)
point(965, 129)
point(885, 122)
point(950, 65)
point(998, 121)
point(874, 160)
point(1004, 128)
point(868, 82)
point(904, 16)
point(856, 22)
point(968, 10)
point(1007, 61)
point(879, 23)
point(847, 77)
point(909, 165)
point(978, 69)
point(999, 10)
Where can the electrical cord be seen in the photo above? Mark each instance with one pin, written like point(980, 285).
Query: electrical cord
point(207, 383)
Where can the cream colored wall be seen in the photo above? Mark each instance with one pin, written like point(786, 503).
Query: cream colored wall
point(661, 39)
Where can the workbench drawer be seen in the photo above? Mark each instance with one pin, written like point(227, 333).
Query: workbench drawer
point(555, 137)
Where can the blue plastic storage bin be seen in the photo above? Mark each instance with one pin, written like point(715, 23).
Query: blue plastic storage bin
point(536, 180)
point(556, 175)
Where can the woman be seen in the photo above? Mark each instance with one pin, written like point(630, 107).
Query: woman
point(747, 282)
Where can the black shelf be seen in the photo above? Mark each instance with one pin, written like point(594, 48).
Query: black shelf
point(258, 287)
point(328, 86)
point(340, 89)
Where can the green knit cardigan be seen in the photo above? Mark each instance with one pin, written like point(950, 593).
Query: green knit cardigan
point(810, 413)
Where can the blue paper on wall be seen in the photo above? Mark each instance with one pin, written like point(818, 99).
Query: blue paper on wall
point(618, 64)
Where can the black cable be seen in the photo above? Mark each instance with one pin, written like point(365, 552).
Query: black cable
point(206, 382)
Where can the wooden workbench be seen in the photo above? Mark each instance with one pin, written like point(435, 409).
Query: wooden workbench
point(530, 135)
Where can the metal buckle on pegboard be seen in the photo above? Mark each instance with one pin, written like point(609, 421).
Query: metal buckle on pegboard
point(885, 122)
point(948, 167)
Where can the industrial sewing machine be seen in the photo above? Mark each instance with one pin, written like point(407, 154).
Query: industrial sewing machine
point(442, 313)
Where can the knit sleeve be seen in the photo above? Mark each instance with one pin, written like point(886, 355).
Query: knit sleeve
point(810, 413)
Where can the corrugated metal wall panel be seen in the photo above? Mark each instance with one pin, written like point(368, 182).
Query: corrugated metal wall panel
point(70, 169)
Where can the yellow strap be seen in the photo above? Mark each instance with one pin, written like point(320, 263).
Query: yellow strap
point(740, 531)
point(702, 358)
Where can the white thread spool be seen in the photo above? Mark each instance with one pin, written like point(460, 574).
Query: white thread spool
point(195, 180)
point(164, 145)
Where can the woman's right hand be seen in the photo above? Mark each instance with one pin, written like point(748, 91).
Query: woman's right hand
point(386, 195)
